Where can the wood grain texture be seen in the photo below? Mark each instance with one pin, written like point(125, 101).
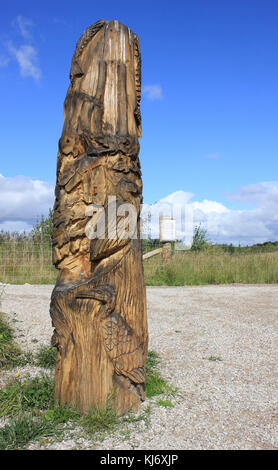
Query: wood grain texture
point(98, 306)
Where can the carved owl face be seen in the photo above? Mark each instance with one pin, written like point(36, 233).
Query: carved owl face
point(71, 144)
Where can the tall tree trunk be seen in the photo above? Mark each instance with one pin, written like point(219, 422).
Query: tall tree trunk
point(98, 306)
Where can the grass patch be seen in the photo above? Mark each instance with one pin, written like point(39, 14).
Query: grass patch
point(152, 361)
point(29, 260)
point(38, 415)
point(155, 383)
point(17, 396)
point(214, 358)
point(165, 403)
point(34, 414)
point(46, 357)
point(32, 410)
point(61, 414)
point(11, 356)
point(23, 429)
point(25, 260)
point(9, 351)
point(212, 267)
point(100, 419)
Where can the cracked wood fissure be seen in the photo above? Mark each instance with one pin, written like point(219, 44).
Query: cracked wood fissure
point(98, 306)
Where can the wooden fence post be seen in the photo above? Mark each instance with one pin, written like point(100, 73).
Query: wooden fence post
point(166, 252)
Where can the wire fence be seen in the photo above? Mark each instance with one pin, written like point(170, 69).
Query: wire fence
point(26, 261)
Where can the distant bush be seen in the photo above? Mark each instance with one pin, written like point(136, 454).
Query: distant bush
point(200, 239)
point(43, 228)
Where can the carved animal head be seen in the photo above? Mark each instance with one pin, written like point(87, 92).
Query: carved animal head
point(104, 294)
point(71, 144)
point(75, 71)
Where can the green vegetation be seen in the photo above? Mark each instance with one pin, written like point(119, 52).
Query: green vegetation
point(32, 394)
point(208, 263)
point(165, 403)
point(43, 228)
point(11, 356)
point(101, 419)
point(23, 429)
point(32, 411)
point(212, 266)
point(200, 239)
point(9, 351)
point(28, 259)
point(46, 357)
point(155, 383)
point(34, 414)
point(214, 358)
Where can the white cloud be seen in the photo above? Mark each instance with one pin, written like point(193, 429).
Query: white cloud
point(178, 197)
point(15, 226)
point(24, 26)
point(22, 200)
point(224, 225)
point(264, 194)
point(27, 58)
point(208, 207)
point(152, 92)
point(26, 52)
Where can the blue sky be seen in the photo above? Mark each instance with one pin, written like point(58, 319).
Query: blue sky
point(210, 94)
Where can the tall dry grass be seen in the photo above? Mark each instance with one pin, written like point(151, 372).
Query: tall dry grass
point(212, 268)
point(25, 261)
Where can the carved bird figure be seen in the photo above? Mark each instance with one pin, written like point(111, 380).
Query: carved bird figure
point(121, 343)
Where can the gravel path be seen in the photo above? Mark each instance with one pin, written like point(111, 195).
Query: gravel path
point(218, 346)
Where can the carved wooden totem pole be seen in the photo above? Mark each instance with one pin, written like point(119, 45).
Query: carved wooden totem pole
point(98, 306)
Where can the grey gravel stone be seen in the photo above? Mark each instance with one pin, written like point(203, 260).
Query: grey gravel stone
point(218, 345)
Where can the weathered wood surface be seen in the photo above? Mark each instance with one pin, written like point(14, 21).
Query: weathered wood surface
point(166, 252)
point(152, 253)
point(98, 305)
